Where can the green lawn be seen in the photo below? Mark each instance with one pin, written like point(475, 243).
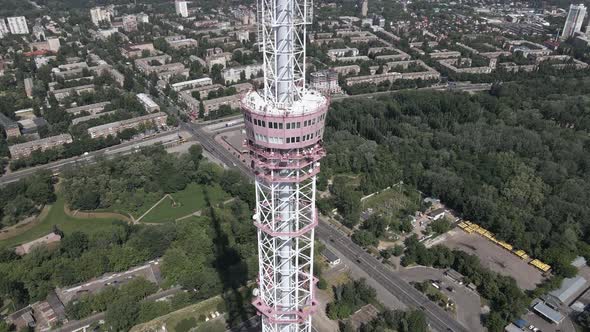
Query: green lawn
point(172, 319)
point(188, 201)
point(57, 216)
point(393, 201)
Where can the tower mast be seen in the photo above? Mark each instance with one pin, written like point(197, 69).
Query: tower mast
point(284, 130)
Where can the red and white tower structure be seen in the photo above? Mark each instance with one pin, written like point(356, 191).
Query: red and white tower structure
point(284, 128)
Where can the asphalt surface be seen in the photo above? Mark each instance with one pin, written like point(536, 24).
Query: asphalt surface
point(439, 319)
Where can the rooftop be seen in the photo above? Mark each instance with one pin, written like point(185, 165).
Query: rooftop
point(87, 107)
point(310, 102)
point(329, 255)
point(569, 287)
point(7, 122)
point(548, 312)
point(124, 122)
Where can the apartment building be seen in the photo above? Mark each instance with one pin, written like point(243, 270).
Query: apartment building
point(18, 25)
point(148, 103)
point(24, 150)
point(63, 93)
point(235, 74)
point(91, 109)
point(10, 126)
point(192, 84)
point(113, 128)
point(212, 105)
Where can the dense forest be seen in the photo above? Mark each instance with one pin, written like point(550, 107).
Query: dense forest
point(514, 160)
point(24, 198)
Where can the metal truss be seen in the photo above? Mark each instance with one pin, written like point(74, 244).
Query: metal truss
point(282, 30)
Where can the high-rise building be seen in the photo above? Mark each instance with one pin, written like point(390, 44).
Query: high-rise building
point(574, 20)
point(100, 14)
point(3, 28)
point(284, 129)
point(18, 25)
point(181, 8)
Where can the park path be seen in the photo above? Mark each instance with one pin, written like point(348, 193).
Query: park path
point(98, 215)
point(153, 206)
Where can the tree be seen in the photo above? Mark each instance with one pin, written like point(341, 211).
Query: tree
point(364, 238)
point(398, 250)
point(129, 82)
point(584, 319)
point(88, 201)
point(440, 226)
point(4, 327)
point(214, 326)
point(122, 314)
point(186, 325)
point(74, 244)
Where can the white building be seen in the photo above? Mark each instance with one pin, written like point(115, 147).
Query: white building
point(192, 84)
point(18, 25)
point(574, 20)
point(234, 74)
point(181, 8)
point(99, 14)
point(143, 18)
point(3, 28)
point(148, 102)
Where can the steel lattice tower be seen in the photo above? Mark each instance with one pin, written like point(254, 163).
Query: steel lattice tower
point(284, 128)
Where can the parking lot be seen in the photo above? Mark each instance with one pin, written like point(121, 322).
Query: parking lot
point(493, 257)
point(545, 326)
point(467, 302)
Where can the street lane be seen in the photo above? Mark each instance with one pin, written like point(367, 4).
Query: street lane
point(407, 294)
point(59, 165)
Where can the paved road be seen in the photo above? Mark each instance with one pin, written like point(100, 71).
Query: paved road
point(407, 294)
point(210, 145)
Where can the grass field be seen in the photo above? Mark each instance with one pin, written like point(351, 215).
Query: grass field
point(393, 201)
point(57, 216)
point(187, 201)
point(172, 319)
